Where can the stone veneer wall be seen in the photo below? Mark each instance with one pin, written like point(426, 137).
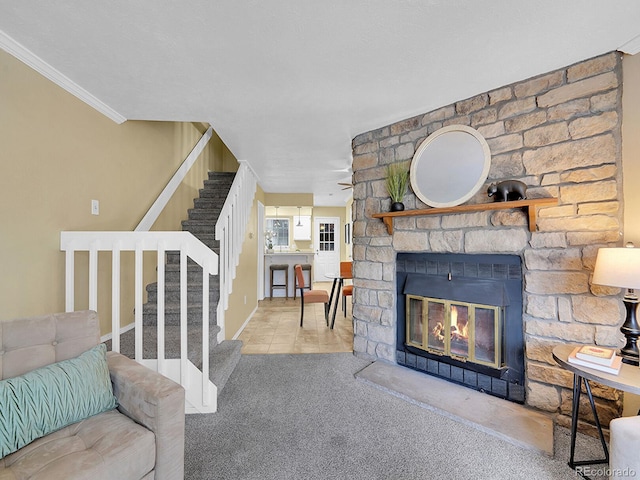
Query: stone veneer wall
point(560, 133)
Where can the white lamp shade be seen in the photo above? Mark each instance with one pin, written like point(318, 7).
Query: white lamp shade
point(618, 267)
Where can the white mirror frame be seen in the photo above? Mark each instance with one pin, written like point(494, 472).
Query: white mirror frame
point(450, 166)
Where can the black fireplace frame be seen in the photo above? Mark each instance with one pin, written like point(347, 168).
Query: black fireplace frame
point(492, 273)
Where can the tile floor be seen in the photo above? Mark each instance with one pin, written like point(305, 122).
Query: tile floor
point(275, 328)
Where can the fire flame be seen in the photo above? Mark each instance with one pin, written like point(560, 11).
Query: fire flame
point(460, 330)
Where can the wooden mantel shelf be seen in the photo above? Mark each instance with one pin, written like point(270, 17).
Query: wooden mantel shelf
point(529, 204)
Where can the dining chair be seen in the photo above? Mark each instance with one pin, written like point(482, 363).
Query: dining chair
point(310, 296)
point(346, 273)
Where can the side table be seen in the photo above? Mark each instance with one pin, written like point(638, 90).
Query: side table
point(628, 380)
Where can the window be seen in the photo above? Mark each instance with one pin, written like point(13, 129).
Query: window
point(280, 229)
point(327, 237)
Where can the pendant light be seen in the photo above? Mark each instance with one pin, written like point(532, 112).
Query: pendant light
point(299, 224)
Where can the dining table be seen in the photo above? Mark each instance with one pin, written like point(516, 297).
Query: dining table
point(338, 283)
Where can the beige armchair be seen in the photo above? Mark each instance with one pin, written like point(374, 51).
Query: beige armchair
point(142, 439)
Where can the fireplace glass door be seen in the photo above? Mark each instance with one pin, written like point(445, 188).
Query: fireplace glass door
point(463, 331)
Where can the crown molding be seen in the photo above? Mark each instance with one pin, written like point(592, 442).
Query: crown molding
point(631, 47)
point(27, 57)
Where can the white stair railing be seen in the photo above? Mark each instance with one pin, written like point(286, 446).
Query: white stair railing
point(202, 396)
point(230, 230)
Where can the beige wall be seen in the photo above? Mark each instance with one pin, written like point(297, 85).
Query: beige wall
point(631, 170)
point(288, 199)
point(631, 147)
point(57, 155)
point(244, 298)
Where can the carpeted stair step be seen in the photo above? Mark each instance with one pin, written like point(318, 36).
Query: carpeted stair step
point(171, 343)
point(208, 203)
point(223, 359)
point(218, 192)
point(172, 314)
point(194, 273)
point(198, 227)
point(173, 258)
point(222, 176)
point(210, 214)
point(194, 278)
point(215, 187)
point(219, 180)
point(172, 293)
point(209, 240)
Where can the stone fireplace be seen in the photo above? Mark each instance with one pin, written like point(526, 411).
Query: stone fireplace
point(560, 133)
point(459, 317)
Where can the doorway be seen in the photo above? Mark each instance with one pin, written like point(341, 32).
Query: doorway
point(327, 245)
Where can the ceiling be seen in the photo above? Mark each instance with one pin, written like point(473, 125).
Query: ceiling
point(287, 85)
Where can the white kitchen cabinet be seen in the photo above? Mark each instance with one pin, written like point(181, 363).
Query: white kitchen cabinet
point(302, 227)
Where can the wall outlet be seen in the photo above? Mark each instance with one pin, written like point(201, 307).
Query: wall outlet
point(95, 207)
point(245, 299)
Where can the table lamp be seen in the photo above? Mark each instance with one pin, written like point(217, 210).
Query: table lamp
point(620, 267)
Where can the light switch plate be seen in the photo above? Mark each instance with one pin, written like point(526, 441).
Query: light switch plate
point(95, 207)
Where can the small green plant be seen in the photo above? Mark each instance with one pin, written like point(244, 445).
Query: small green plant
point(269, 236)
point(397, 181)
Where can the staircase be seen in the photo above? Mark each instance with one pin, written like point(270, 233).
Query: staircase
point(193, 255)
point(223, 356)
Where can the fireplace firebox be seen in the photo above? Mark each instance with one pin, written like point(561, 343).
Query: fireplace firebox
point(460, 318)
point(469, 332)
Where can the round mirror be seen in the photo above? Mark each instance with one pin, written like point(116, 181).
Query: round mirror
point(450, 166)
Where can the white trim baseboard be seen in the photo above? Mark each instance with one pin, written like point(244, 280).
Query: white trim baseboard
point(29, 58)
point(235, 337)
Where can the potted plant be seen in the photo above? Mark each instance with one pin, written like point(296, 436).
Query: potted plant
point(397, 181)
point(269, 235)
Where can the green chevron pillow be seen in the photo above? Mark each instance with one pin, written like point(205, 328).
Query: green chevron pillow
point(49, 398)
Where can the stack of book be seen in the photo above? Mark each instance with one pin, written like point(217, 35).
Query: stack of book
point(598, 358)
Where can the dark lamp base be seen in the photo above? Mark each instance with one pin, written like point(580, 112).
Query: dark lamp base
point(631, 331)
